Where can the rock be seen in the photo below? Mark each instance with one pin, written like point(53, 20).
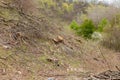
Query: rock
point(19, 72)
point(97, 36)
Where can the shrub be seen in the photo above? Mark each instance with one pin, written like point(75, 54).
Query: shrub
point(86, 29)
point(102, 24)
point(74, 25)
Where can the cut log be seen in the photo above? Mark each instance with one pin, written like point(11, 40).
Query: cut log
point(59, 39)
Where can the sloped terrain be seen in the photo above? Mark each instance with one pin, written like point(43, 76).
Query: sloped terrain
point(35, 47)
point(28, 48)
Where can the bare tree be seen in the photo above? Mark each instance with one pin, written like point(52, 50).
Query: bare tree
point(26, 6)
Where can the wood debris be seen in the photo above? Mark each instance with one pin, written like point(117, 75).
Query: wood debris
point(59, 39)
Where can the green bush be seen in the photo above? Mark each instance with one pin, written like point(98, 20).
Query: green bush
point(86, 29)
point(74, 25)
point(102, 24)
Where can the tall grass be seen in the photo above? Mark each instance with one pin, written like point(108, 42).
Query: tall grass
point(112, 41)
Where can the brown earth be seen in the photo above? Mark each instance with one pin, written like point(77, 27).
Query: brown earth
point(28, 49)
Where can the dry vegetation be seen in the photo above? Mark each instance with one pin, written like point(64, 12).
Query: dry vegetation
point(36, 44)
point(112, 41)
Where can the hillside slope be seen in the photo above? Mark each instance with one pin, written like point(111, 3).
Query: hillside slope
point(37, 47)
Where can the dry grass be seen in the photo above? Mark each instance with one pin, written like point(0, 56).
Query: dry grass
point(97, 59)
point(112, 41)
point(28, 62)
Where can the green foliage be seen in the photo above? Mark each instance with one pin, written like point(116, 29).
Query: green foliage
point(46, 3)
point(86, 29)
point(74, 25)
point(102, 24)
point(67, 7)
point(9, 14)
